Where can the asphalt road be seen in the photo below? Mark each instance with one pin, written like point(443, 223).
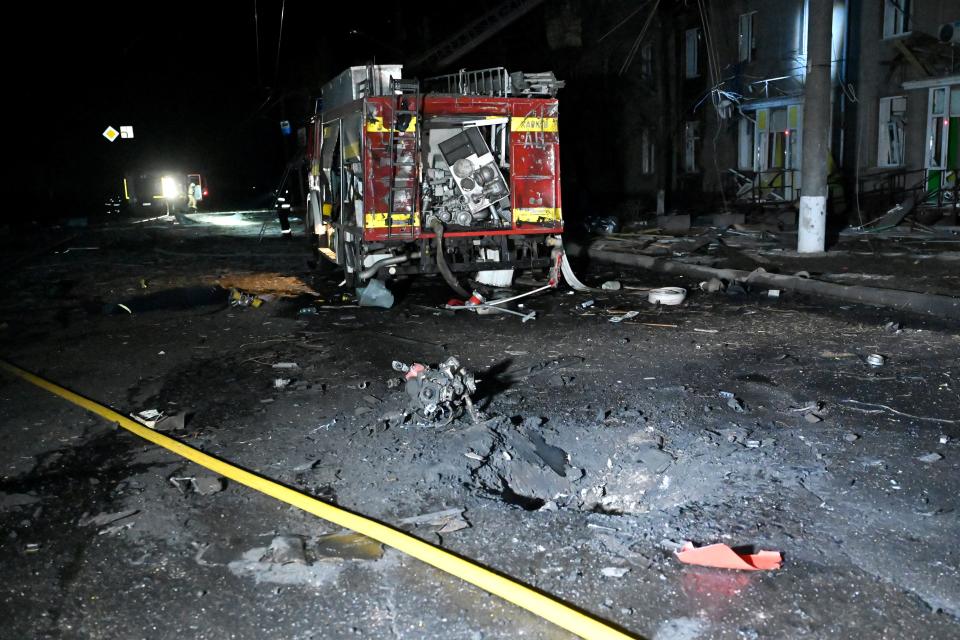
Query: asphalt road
point(102, 537)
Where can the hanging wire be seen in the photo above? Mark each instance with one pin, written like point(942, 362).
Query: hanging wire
point(636, 43)
point(256, 30)
point(276, 70)
point(623, 22)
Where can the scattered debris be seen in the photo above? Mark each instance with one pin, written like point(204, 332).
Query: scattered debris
point(103, 519)
point(347, 545)
point(667, 296)
point(899, 413)
point(446, 521)
point(614, 572)
point(159, 421)
point(286, 365)
point(203, 485)
point(712, 285)
point(281, 383)
point(266, 284)
point(240, 298)
point(812, 418)
point(611, 285)
point(148, 417)
point(851, 437)
point(875, 360)
point(722, 556)
point(733, 401)
point(626, 316)
point(285, 550)
point(375, 294)
point(586, 304)
point(439, 394)
point(930, 457)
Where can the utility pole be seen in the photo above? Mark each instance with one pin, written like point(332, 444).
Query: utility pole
point(816, 129)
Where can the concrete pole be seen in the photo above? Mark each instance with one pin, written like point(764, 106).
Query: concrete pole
point(816, 129)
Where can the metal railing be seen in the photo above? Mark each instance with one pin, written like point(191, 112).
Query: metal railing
point(885, 190)
point(772, 186)
point(494, 82)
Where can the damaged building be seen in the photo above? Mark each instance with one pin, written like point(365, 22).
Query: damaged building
point(547, 319)
point(894, 103)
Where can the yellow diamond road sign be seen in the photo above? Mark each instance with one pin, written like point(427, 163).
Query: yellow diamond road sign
point(111, 134)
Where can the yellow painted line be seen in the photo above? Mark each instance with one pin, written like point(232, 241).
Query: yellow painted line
point(376, 125)
point(379, 220)
point(531, 123)
point(538, 214)
point(510, 590)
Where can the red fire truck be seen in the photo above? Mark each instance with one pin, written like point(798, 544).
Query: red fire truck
point(460, 177)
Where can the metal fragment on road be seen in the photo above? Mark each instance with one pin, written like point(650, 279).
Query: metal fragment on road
point(876, 360)
point(626, 316)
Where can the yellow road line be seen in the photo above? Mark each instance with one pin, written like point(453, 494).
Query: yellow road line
point(546, 607)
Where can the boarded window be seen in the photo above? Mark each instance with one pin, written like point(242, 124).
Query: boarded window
point(691, 53)
point(747, 43)
point(646, 60)
point(647, 155)
point(893, 114)
point(691, 135)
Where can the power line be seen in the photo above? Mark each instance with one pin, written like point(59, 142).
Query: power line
point(256, 30)
point(276, 70)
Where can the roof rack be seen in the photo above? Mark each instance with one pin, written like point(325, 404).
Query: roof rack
point(496, 82)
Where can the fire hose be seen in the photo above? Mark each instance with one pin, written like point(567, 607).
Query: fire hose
point(540, 604)
point(437, 227)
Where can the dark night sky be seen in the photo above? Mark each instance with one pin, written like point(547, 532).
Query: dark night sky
point(185, 75)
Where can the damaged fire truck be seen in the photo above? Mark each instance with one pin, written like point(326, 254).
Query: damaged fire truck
point(462, 177)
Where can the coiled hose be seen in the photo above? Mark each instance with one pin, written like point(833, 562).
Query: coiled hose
point(437, 227)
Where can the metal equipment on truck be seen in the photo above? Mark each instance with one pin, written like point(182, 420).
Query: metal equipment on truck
point(460, 177)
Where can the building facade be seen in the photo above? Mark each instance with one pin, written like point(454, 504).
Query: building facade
point(738, 129)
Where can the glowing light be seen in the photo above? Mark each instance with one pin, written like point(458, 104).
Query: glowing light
point(169, 187)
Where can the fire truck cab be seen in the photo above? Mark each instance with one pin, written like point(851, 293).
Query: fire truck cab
point(464, 177)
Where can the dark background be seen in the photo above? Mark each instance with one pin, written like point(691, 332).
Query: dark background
point(186, 76)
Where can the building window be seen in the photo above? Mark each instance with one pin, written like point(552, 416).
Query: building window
point(691, 134)
point(647, 147)
point(897, 17)
point(893, 114)
point(748, 44)
point(646, 60)
point(746, 152)
point(691, 51)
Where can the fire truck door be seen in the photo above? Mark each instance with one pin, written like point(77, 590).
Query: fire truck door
point(331, 165)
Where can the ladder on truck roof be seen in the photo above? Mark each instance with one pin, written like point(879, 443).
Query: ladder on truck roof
point(403, 153)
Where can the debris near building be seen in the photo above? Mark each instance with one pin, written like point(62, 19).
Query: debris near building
point(439, 395)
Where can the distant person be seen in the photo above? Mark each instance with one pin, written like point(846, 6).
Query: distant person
point(192, 197)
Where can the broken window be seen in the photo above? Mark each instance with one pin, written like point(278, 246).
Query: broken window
point(936, 130)
point(897, 17)
point(746, 152)
point(646, 152)
point(691, 134)
point(646, 60)
point(691, 51)
point(893, 114)
point(748, 45)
